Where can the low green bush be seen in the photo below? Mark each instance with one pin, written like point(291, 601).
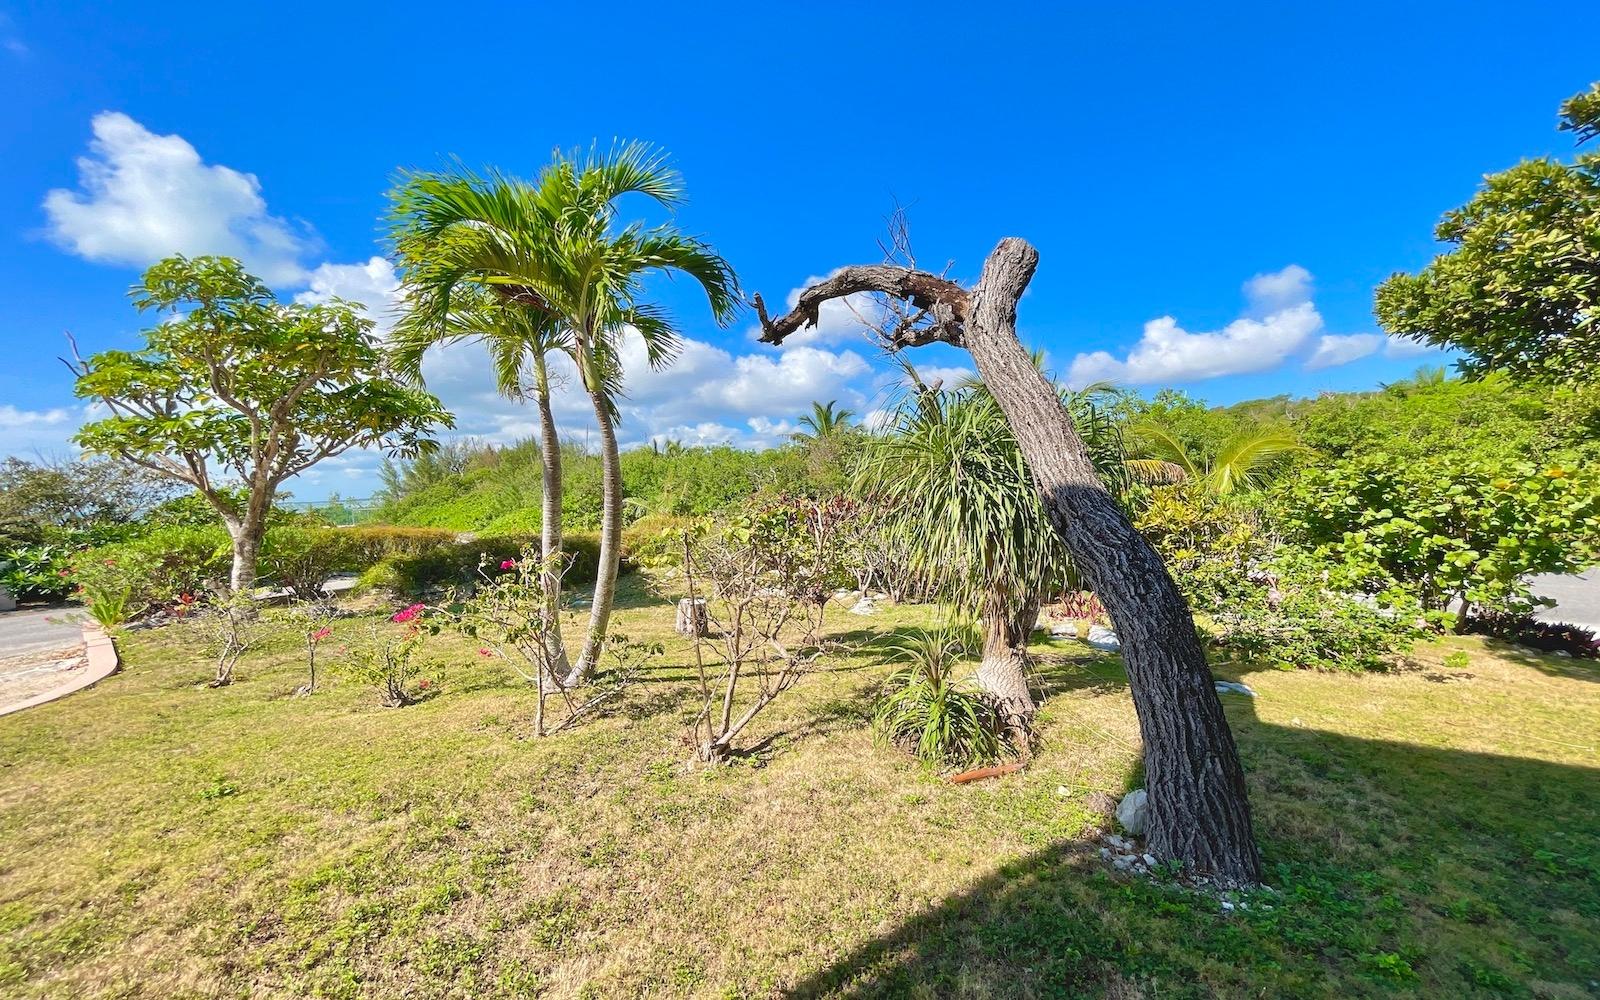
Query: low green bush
point(656, 540)
point(156, 569)
point(926, 710)
point(457, 564)
point(36, 572)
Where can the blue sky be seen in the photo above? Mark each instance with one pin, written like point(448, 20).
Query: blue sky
point(1214, 192)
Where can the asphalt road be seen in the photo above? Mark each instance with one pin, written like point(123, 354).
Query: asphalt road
point(1577, 598)
point(39, 629)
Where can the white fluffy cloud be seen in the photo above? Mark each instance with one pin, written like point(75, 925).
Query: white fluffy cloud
point(144, 196)
point(373, 284)
point(1280, 322)
point(1341, 349)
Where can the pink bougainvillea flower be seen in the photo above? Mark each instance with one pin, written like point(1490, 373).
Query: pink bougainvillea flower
point(423, 685)
point(482, 651)
point(407, 614)
point(320, 634)
point(111, 562)
point(509, 564)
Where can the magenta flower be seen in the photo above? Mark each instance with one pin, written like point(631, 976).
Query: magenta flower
point(485, 652)
point(407, 614)
point(509, 564)
point(320, 634)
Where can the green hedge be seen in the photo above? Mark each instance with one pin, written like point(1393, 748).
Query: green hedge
point(457, 563)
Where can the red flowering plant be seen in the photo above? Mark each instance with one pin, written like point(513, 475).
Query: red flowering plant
point(386, 656)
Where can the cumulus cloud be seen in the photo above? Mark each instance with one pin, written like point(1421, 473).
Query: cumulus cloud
point(1340, 349)
point(1280, 321)
point(143, 196)
point(1405, 347)
point(373, 285)
point(25, 433)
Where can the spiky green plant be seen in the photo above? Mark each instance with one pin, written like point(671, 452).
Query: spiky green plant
point(925, 708)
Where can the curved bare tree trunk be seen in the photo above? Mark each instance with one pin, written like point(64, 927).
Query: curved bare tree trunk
point(605, 583)
point(1199, 810)
point(1003, 672)
point(550, 516)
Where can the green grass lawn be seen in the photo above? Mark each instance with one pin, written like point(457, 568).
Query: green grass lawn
point(1434, 832)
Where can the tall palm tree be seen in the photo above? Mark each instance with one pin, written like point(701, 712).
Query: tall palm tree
point(824, 422)
point(520, 340)
point(1243, 463)
point(555, 246)
point(954, 488)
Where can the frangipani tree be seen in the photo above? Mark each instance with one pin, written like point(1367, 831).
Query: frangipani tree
point(233, 385)
point(557, 246)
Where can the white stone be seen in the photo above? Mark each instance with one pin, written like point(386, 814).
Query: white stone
point(1133, 811)
point(1149, 859)
point(865, 606)
point(1234, 687)
point(1101, 637)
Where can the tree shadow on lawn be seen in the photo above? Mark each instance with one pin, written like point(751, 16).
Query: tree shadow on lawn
point(1398, 868)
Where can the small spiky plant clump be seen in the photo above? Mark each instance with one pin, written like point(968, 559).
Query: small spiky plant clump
point(941, 719)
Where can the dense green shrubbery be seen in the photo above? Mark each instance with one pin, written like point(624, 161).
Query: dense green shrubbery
point(156, 569)
point(1446, 529)
point(458, 562)
point(1268, 602)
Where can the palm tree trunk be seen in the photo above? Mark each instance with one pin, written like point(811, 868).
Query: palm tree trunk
point(605, 583)
point(550, 521)
point(1199, 812)
point(1003, 672)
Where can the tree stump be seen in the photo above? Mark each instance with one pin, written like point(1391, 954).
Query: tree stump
point(691, 620)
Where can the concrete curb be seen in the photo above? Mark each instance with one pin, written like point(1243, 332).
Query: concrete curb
point(101, 653)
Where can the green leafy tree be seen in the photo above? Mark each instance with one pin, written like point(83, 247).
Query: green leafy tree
point(234, 384)
point(1520, 289)
point(1447, 530)
point(556, 246)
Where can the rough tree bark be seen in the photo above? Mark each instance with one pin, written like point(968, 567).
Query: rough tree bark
point(1199, 810)
point(1003, 671)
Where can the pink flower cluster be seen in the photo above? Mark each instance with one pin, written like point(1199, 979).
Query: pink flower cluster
point(320, 634)
point(407, 614)
point(509, 564)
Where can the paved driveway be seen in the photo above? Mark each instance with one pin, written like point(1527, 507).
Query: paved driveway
point(41, 629)
point(1577, 598)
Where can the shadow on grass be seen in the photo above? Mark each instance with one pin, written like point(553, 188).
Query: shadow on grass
point(1399, 868)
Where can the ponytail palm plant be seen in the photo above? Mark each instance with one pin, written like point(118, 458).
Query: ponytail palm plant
point(954, 487)
point(555, 247)
point(520, 341)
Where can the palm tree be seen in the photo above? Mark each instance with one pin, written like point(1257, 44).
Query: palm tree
point(520, 340)
point(954, 488)
point(555, 247)
point(1243, 463)
point(824, 422)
